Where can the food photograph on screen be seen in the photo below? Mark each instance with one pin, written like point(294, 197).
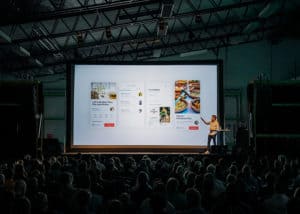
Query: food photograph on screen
point(187, 96)
point(103, 104)
point(164, 113)
point(136, 105)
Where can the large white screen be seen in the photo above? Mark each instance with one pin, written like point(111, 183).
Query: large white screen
point(143, 104)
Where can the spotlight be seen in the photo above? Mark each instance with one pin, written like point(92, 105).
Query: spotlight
point(162, 28)
point(79, 37)
point(198, 19)
point(108, 32)
point(191, 35)
point(167, 8)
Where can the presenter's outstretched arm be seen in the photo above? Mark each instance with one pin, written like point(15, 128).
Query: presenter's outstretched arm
point(207, 123)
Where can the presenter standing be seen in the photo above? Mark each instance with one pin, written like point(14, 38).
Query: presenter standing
point(213, 130)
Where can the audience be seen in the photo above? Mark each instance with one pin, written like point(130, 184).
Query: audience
point(21, 204)
point(142, 188)
point(174, 196)
point(92, 184)
point(193, 198)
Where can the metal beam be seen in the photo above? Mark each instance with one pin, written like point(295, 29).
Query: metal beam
point(145, 21)
point(254, 36)
point(142, 38)
point(148, 36)
point(64, 13)
point(177, 44)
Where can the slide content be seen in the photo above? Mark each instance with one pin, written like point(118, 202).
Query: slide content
point(143, 105)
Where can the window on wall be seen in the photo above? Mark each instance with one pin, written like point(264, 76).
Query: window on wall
point(232, 110)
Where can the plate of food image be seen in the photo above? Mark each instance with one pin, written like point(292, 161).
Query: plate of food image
point(181, 85)
point(195, 105)
point(112, 96)
point(181, 105)
point(195, 93)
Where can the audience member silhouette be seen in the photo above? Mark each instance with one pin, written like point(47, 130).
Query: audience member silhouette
point(92, 184)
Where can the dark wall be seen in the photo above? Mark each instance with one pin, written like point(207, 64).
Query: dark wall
point(20, 105)
point(275, 109)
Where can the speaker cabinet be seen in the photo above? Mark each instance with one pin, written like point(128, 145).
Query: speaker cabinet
point(20, 107)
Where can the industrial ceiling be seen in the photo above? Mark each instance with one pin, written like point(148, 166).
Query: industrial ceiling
point(40, 37)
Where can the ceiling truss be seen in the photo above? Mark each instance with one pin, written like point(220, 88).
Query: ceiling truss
point(57, 32)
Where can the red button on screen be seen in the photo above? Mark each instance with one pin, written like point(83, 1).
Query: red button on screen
point(193, 127)
point(109, 125)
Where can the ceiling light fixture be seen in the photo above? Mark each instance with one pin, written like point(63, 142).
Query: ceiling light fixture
point(108, 32)
point(4, 37)
point(21, 51)
point(167, 8)
point(38, 63)
point(198, 19)
point(79, 37)
point(156, 53)
point(193, 53)
point(270, 9)
point(162, 28)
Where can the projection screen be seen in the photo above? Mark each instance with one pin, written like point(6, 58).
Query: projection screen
point(144, 107)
